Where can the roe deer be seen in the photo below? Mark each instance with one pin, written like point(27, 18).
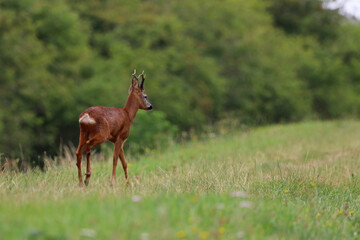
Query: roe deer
point(98, 124)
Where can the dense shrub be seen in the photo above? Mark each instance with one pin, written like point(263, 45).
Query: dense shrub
point(261, 61)
point(150, 131)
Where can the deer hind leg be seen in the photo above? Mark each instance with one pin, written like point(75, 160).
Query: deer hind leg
point(79, 153)
point(95, 140)
point(88, 167)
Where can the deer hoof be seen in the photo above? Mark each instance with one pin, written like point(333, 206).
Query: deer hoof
point(86, 182)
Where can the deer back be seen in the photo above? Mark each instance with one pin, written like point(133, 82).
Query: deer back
point(111, 122)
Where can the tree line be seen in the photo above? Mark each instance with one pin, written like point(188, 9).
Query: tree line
point(259, 61)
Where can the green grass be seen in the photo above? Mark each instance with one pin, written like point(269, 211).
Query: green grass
point(301, 180)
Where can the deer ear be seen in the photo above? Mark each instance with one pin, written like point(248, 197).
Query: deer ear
point(135, 82)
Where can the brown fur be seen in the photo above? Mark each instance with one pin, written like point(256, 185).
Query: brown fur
point(111, 123)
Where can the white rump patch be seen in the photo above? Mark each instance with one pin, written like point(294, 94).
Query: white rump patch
point(87, 119)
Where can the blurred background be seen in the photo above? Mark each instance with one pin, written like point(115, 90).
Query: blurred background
point(235, 62)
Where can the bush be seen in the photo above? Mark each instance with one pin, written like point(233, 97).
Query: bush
point(150, 131)
point(203, 59)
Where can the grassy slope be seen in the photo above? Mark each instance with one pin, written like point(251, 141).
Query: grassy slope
point(302, 183)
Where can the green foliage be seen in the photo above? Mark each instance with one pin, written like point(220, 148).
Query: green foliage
point(327, 71)
point(150, 131)
point(307, 17)
point(261, 61)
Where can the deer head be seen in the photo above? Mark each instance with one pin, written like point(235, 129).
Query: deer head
point(138, 91)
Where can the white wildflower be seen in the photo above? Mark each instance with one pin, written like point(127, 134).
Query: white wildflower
point(86, 232)
point(239, 194)
point(220, 206)
point(144, 236)
point(136, 198)
point(240, 235)
point(245, 204)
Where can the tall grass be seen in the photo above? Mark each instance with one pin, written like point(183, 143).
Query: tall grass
point(297, 181)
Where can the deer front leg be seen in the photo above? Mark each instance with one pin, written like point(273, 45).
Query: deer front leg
point(88, 167)
point(115, 160)
point(124, 164)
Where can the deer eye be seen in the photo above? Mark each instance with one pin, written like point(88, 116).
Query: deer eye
point(145, 97)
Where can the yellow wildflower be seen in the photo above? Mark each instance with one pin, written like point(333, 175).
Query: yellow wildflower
point(181, 234)
point(318, 215)
point(339, 212)
point(221, 230)
point(195, 199)
point(351, 212)
point(286, 191)
point(313, 184)
point(129, 165)
point(194, 230)
point(204, 235)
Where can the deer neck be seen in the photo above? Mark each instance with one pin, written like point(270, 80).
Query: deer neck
point(131, 107)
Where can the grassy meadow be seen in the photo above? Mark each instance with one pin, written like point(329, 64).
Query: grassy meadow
point(298, 181)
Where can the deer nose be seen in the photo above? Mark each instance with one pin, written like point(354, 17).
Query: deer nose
point(149, 108)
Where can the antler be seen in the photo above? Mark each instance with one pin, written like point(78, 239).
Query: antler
point(143, 79)
point(134, 75)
